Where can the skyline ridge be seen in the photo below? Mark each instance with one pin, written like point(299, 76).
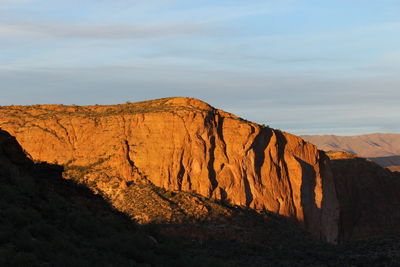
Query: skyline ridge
point(300, 66)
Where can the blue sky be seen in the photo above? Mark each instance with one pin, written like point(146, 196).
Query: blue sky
point(307, 67)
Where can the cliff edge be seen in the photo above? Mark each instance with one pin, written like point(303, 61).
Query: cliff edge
point(182, 144)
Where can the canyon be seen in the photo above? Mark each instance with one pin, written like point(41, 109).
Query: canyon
point(185, 145)
point(48, 220)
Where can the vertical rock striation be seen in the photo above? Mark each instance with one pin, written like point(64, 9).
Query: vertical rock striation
point(184, 144)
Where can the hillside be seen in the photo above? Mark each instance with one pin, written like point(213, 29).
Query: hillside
point(46, 220)
point(384, 149)
point(179, 161)
point(181, 144)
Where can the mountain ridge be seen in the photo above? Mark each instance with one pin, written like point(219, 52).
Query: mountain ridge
point(185, 145)
point(383, 148)
point(182, 144)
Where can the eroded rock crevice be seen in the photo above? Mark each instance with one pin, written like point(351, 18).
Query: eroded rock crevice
point(180, 144)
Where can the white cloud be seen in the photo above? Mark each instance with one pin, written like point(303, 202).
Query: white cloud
point(101, 31)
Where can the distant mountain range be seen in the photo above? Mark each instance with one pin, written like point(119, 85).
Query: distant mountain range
point(382, 148)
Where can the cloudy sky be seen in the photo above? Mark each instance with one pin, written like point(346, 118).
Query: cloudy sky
point(306, 66)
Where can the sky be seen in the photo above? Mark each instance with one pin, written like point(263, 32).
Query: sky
point(306, 66)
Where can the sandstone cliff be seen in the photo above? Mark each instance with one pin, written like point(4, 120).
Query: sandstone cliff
point(46, 220)
point(182, 144)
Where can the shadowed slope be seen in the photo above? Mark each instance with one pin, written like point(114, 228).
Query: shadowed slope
point(390, 162)
point(368, 196)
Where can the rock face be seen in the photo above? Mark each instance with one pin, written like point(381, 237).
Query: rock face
point(368, 197)
point(46, 220)
point(183, 144)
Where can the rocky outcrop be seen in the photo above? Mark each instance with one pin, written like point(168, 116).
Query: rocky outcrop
point(46, 220)
point(182, 144)
point(368, 197)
